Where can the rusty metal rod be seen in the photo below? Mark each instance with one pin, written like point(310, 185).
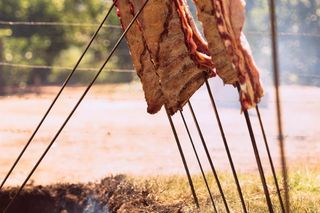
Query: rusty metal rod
point(57, 96)
point(258, 160)
point(183, 160)
point(209, 157)
point(257, 156)
point(75, 107)
point(235, 176)
point(276, 76)
point(274, 174)
point(198, 160)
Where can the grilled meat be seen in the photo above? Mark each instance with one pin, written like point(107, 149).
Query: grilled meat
point(222, 22)
point(141, 58)
point(173, 60)
point(166, 37)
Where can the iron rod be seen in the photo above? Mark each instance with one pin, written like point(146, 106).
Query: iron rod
point(258, 160)
point(183, 160)
point(198, 160)
point(76, 106)
point(235, 176)
point(276, 75)
point(270, 159)
point(57, 96)
point(209, 157)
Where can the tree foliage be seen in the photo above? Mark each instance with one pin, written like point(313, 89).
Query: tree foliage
point(54, 45)
point(299, 38)
point(61, 45)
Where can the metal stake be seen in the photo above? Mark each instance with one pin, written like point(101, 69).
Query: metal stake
point(235, 176)
point(57, 96)
point(270, 160)
point(198, 159)
point(183, 160)
point(257, 156)
point(273, 19)
point(209, 157)
point(75, 107)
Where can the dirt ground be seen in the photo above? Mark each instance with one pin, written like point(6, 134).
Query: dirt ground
point(111, 133)
point(112, 194)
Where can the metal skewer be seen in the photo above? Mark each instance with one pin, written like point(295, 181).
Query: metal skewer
point(183, 160)
point(257, 156)
point(57, 96)
point(235, 176)
point(270, 160)
point(209, 157)
point(75, 107)
point(258, 160)
point(198, 159)
point(273, 20)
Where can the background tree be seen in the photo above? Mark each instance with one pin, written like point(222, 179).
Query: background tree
point(299, 38)
point(51, 44)
point(61, 45)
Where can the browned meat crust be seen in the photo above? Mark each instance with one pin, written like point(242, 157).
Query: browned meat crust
point(222, 22)
point(220, 57)
point(165, 42)
point(141, 58)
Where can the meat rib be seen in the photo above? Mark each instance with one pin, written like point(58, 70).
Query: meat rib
point(141, 58)
point(178, 54)
point(222, 22)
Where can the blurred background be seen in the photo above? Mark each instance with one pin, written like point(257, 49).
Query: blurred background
point(40, 42)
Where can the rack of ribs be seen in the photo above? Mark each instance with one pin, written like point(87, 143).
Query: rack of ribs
point(173, 60)
point(169, 54)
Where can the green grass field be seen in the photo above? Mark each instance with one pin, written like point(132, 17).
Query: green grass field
point(171, 190)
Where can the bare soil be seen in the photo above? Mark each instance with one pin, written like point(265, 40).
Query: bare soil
point(111, 133)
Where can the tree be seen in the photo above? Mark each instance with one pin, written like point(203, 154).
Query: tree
point(299, 23)
point(45, 45)
point(52, 45)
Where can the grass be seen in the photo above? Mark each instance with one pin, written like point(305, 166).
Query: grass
point(165, 194)
point(172, 190)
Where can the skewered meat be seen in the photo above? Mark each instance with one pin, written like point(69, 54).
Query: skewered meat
point(165, 44)
point(222, 22)
point(173, 60)
point(141, 58)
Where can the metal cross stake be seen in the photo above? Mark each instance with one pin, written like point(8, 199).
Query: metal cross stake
point(235, 176)
point(196, 200)
point(209, 157)
point(273, 20)
point(58, 95)
point(75, 107)
point(198, 159)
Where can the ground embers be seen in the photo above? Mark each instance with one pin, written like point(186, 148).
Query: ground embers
point(112, 194)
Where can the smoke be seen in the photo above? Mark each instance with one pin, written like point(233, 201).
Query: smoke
point(298, 40)
point(94, 206)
